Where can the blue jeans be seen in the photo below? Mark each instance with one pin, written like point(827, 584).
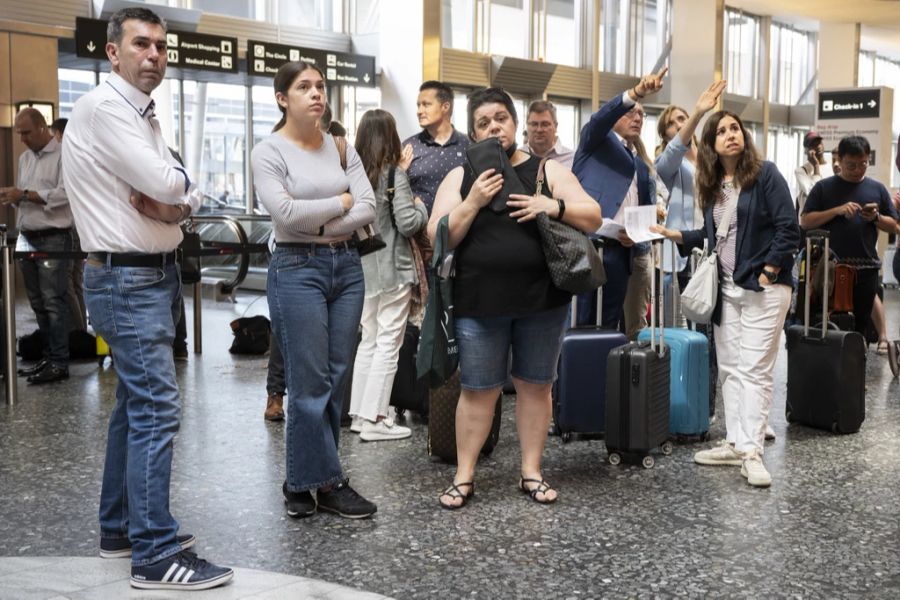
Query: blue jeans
point(315, 301)
point(135, 310)
point(47, 286)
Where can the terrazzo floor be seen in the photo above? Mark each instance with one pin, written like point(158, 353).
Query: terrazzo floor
point(829, 527)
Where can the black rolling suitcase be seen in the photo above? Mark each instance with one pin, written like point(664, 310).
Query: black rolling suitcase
point(409, 392)
point(637, 396)
point(826, 381)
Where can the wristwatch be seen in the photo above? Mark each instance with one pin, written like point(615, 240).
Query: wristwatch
point(772, 276)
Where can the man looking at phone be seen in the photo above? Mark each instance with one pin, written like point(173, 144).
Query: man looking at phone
point(813, 170)
point(853, 207)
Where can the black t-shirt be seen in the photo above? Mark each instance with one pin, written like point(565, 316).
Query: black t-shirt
point(500, 264)
point(851, 238)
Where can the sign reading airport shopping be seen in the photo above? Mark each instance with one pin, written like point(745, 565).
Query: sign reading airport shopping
point(184, 49)
point(264, 58)
point(858, 111)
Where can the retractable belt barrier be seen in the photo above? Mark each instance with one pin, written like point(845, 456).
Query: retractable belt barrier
point(242, 247)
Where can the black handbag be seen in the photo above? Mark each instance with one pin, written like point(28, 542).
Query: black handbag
point(575, 265)
point(189, 256)
point(368, 240)
point(251, 335)
point(489, 154)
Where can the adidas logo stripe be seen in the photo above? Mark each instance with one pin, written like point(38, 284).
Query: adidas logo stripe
point(177, 574)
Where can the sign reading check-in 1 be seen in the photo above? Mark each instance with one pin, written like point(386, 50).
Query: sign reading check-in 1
point(863, 103)
point(184, 49)
point(264, 58)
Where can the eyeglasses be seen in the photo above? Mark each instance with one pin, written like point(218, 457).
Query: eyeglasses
point(854, 166)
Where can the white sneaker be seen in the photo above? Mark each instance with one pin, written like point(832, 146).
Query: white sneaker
point(356, 424)
point(755, 471)
point(383, 430)
point(723, 454)
point(770, 434)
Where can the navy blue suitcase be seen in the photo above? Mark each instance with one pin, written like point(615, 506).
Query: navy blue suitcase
point(580, 400)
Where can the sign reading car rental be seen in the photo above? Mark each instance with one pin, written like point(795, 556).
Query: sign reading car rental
point(859, 111)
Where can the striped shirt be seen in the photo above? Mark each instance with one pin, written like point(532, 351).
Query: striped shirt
point(726, 248)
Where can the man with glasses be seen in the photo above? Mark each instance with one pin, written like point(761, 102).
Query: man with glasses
point(852, 208)
point(540, 132)
point(613, 167)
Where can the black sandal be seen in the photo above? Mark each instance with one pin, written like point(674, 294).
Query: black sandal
point(454, 492)
point(542, 487)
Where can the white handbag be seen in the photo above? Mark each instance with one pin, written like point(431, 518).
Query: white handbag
point(698, 300)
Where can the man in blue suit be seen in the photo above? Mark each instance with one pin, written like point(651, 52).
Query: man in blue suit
point(613, 168)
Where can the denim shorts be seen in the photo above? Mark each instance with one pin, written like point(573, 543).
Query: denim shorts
point(484, 344)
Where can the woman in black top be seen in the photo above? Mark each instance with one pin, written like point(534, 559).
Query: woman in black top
point(503, 295)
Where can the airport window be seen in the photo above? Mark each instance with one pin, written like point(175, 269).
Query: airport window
point(458, 24)
point(559, 27)
point(793, 65)
point(365, 15)
point(460, 117)
point(635, 34)
point(73, 84)
point(255, 9)
point(315, 14)
point(567, 115)
point(785, 150)
point(356, 101)
point(508, 20)
point(214, 151)
point(742, 53)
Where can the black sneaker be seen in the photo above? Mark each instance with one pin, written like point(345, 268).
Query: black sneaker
point(343, 500)
point(121, 547)
point(182, 571)
point(299, 504)
point(49, 374)
point(34, 369)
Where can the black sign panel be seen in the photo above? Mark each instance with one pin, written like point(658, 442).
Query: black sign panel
point(90, 38)
point(264, 58)
point(202, 51)
point(185, 50)
point(850, 104)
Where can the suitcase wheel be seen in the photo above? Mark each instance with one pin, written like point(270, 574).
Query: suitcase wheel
point(788, 416)
point(615, 458)
point(648, 462)
point(666, 448)
point(566, 437)
point(835, 428)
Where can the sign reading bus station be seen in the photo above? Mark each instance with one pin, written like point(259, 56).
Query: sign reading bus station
point(265, 58)
point(185, 49)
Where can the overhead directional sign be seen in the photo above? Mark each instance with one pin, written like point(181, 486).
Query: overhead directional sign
point(264, 58)
point(850, 104)
point(185, 49)
point(90, 38)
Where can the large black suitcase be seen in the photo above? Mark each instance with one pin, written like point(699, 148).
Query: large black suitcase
point(826, 381)
point(637, 395)
point(579, 401)
point(409, 392)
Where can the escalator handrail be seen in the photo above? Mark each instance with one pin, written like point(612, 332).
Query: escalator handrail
point(245, 249)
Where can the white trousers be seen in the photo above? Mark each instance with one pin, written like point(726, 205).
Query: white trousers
point(383, 324)
point(747, 341)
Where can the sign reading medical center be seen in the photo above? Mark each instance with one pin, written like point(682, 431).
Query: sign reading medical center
point(859, 111)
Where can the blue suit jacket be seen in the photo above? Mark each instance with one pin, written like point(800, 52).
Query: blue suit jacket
point(767, 232)
point(605, 167)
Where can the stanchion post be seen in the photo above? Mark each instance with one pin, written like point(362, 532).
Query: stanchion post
point(198, 323)
point(9, 317)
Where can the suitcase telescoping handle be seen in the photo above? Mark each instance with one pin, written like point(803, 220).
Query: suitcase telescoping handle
point(678, 319)
point(574, 306)
point(818, 234)
point(655, 303)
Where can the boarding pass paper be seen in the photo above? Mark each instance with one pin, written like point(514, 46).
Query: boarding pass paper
point(638, 220)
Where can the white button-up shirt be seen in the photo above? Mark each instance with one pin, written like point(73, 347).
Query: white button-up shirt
point(113, 147)
point(558, 152)
point(41, 172)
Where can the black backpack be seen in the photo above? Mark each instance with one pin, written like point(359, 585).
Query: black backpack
point(251, 335)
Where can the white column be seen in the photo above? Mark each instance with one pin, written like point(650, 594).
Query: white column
point(401, 60)
point(838, 54)
point(696, 49)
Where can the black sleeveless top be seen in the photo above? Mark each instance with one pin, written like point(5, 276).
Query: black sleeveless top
point(500, 265)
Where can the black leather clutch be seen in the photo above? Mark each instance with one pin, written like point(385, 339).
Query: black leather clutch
point(489, 154)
